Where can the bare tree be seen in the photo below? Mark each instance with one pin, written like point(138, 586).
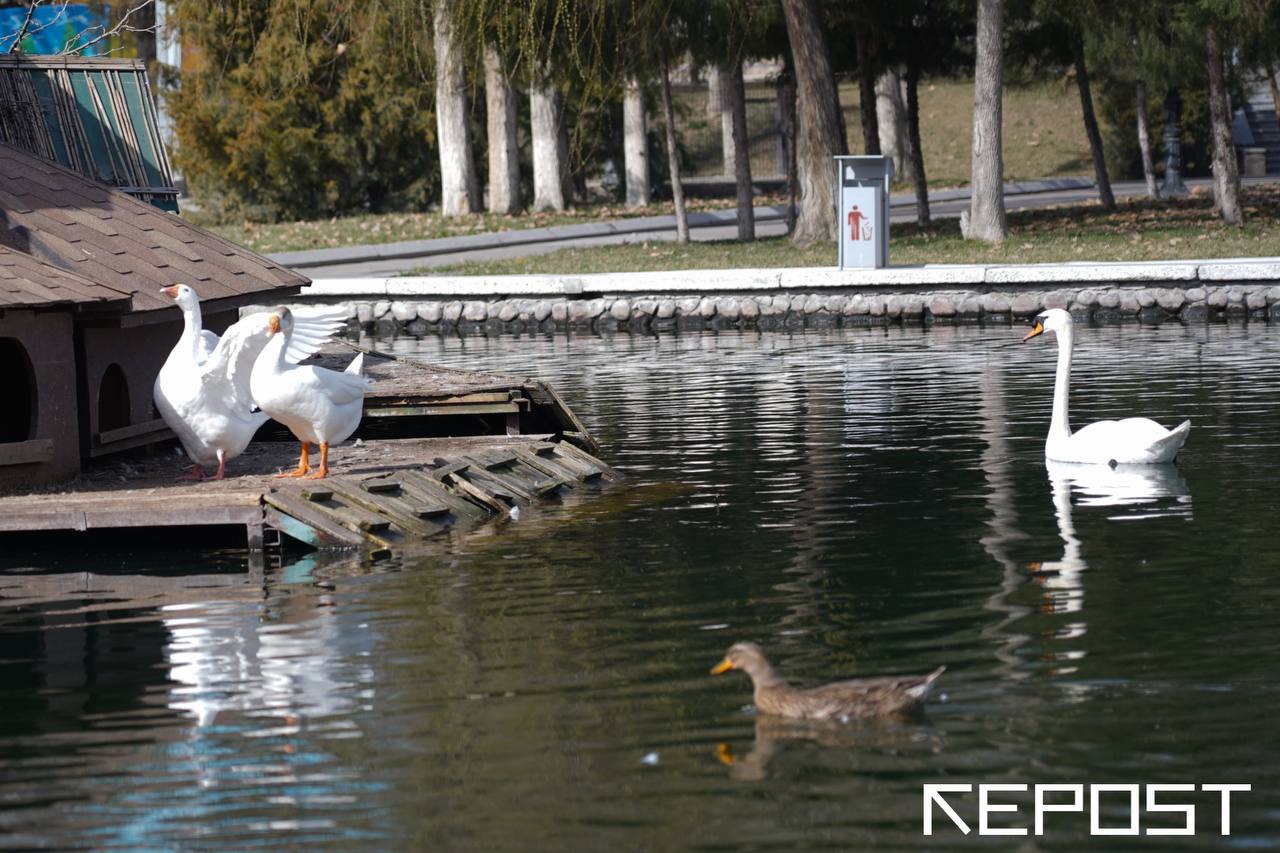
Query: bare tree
point(673, 156)
point(917, 152)
point(725, 115)
point(460, 188)
point(735, 91)
point(635, 145)
point(986, 220)
point(818, 133)
point(548, 160)
point(867, 92)
point(1226, 180)
point(891, 118)
point(1105, 195)
point(1144, 141)
point(504, 159)
point(139, 18)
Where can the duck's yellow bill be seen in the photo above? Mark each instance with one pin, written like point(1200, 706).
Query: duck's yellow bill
point(1037, 329)
point(724, 666)
point(724, 754)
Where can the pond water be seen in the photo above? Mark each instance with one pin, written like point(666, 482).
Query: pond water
point(857, 501)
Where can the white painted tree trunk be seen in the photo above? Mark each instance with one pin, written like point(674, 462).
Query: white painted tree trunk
point(1226, 178)
point(1144, 142)
point(635, 146)
point(548, 164)
point(891, 115)
point(725, 115)
point(986, 220)
point(504, 158)
point(460, 189)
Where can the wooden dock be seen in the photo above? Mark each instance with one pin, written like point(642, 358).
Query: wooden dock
point(437, 449)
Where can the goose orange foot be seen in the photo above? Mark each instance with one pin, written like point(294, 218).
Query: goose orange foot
point(304, 463)
point(323, 470)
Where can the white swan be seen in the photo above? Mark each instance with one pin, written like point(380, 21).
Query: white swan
point(202, 391)
point(1130, 441)
point(318, 405)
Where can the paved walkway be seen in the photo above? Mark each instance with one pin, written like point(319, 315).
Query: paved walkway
point(390, 259)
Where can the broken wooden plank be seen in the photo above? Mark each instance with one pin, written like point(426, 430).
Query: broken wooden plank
point(567, 450)
point(320, 530)
point(400, 514)
point(422, 487)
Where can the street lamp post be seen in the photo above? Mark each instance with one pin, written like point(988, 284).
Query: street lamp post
point(1173, 185)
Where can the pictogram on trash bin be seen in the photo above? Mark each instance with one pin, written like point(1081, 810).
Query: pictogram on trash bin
point(862, 188)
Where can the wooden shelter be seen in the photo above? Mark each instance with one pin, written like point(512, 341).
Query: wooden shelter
point(86, 263)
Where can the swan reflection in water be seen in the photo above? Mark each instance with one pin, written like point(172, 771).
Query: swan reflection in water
point(1143, 491)
point(772, 734)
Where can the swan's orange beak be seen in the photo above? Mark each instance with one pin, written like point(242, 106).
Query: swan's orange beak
point(171, 291)
point(1037, 329)
point(273, 323)
point(724, 666)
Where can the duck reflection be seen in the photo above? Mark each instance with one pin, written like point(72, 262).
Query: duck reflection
point(772, 734)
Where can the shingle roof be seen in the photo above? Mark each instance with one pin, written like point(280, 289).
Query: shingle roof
point(113, 239)
point(26, 282)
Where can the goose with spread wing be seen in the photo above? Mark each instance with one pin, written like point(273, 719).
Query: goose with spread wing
point(318, 405)
point(205, 398)
point(1130, 441)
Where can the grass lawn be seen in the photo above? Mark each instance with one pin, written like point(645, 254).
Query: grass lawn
point(1138, 231)
point(1043, 137)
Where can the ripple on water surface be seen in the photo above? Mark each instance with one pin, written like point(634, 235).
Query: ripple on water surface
point(859, 501)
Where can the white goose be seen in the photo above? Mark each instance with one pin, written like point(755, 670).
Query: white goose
point(202, 391)
point(1130, 441)
point(318, 405)
point(200, 341)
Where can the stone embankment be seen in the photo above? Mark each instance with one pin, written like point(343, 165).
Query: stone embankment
point(1188, 292)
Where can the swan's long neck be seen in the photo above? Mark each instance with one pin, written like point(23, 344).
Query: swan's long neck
point(190, 329)
point(1060, 425)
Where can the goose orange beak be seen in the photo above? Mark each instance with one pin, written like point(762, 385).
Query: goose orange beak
point(171, 291)
point(724, 666)
point(1037, 329)
point(273, 323)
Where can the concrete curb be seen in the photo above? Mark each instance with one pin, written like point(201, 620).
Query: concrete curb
point(637, 225)
point(1266, 270)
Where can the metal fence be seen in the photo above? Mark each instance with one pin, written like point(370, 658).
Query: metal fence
point(704, 134)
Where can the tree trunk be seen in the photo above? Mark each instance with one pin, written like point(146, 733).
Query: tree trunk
point(504, 157)
point(1105, 195)
point(735, 91)
point(635, 146)
point(673, 157)
point(917, 153)
point(1226, 180)
point(727, 149)
point(986, 220)
point(867, 108)
point(715, 95)
point(1275, 87)
point(460, 188)
point(891, 117)
point(787, 127)
point(548, 167)
point(1144, 142)
point(818, 133)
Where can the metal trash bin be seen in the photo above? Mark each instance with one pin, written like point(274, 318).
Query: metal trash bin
point(862, 190)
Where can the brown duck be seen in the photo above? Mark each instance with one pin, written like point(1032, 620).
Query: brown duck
point(857, 699)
